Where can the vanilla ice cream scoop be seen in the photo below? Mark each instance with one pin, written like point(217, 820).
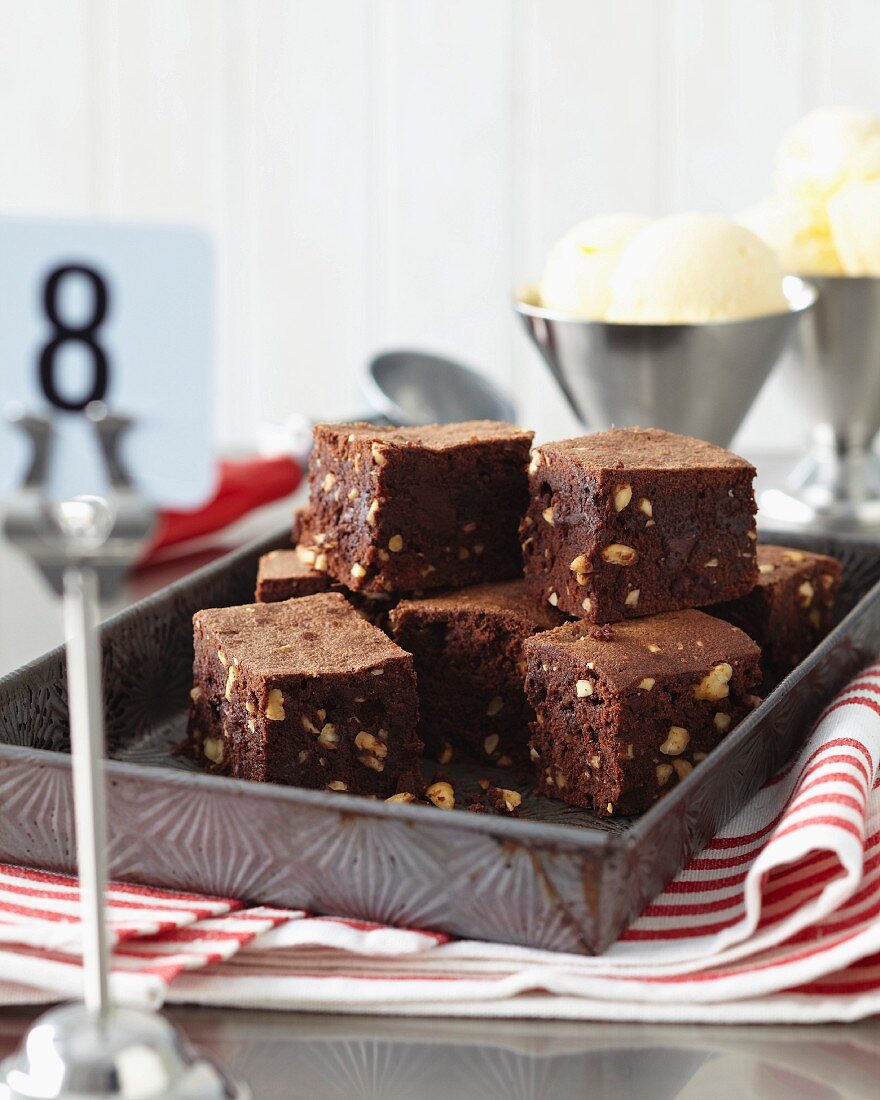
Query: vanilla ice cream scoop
point(578, 270)
point(826, 149)
point(854, 215)
point(798, 231)
point(692, 268)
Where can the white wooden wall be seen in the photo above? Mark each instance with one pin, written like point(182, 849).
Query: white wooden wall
point(383, 172)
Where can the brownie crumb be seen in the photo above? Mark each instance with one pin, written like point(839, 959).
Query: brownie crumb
point(496, 800)
point(602, 634)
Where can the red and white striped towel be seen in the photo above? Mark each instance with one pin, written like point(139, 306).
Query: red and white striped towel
point(777, 919)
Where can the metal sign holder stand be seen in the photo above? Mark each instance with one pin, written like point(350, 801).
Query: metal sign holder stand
point(84, 549)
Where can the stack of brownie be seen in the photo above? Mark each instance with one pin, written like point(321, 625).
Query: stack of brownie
point(542, 611)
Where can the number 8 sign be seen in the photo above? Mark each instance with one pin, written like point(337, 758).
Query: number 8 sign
point(84, 332)
point(114, 313)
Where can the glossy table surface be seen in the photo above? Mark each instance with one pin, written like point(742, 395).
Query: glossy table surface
point(291, 1055)
point(288, 1056)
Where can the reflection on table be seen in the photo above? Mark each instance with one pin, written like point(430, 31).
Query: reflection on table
point(287, 1056)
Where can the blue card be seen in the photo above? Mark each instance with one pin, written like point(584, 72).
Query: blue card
point(117, 313)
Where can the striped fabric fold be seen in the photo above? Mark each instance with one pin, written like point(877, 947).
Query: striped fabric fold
point(775, 920)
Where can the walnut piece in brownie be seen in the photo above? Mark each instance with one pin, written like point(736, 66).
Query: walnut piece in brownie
point(410, 509)
point(629, 522)
point(304, 692)
point(467, 647)
point(791, 608)
point(282, 575)
point(621, 719)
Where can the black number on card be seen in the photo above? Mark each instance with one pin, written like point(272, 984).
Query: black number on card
point(84, 332)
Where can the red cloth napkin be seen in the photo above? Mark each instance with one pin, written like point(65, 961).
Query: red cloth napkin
point(776, 920)
point(242, 486)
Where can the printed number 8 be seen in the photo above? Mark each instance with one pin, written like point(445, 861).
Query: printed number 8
point(81, 334)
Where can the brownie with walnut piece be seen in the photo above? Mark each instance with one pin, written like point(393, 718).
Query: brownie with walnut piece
point(467, 647)
point(624, 712)
point(630, 522)
point(791, 608)
point(282, 576)
point(304, 692)
point(411, 509)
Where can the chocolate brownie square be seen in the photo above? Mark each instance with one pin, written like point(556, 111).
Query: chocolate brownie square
point(303, 692)
point(283, 575)
point(630, 522)
point(624, 712)
point(410, 509)
point(791, 608)
point(467, 647)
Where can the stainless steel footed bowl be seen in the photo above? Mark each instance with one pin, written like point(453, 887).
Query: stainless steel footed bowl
point(697, 379)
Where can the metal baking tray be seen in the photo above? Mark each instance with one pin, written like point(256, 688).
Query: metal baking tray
point(555, 877)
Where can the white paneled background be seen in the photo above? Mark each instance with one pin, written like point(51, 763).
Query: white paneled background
point(383, 172)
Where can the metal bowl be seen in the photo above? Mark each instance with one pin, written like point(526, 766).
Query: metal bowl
point(836, 486)
point(697, 379)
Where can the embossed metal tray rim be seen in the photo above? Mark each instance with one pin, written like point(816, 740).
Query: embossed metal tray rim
point(525, 829)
